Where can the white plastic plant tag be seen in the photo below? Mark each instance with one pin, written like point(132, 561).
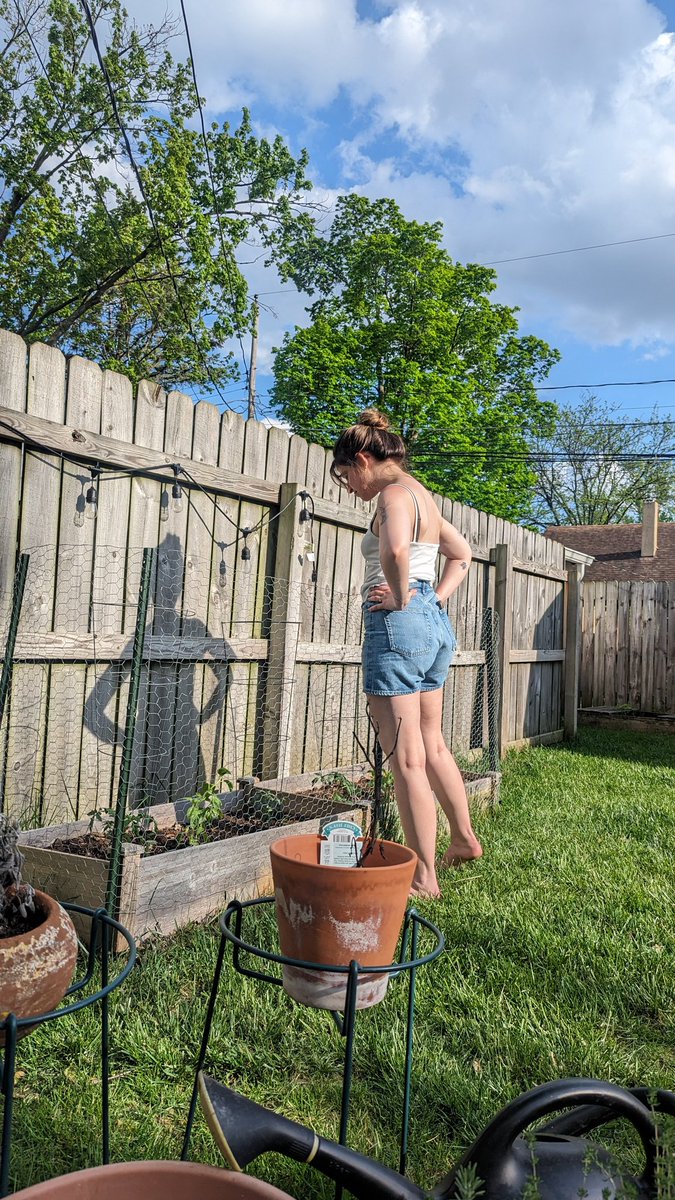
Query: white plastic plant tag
point(342, 843)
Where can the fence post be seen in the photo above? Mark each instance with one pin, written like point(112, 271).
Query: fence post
point(503, 560)
point(284, 634)
point(572, 648)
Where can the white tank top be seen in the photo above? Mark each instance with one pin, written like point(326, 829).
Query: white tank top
point(422, 563)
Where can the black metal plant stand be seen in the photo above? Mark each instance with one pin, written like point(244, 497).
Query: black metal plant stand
point(233, 916)
point(102, 929)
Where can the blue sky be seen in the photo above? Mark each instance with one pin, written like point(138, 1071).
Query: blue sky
point(525, 126)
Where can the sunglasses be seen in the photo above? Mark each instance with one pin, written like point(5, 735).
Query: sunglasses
point(341, 478)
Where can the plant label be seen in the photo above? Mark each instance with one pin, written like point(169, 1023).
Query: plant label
point(342, 843)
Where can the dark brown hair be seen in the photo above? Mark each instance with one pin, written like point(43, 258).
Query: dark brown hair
point(370, 435)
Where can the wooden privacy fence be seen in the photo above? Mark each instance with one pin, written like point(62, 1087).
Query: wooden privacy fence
point(264, 660)
point(628, 645)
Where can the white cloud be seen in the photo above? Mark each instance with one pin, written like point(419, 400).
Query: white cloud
point(528, 126)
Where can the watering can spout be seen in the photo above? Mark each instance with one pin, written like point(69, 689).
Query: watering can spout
point(243, 1130)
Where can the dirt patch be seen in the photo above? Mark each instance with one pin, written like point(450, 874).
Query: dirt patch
point(177, 837)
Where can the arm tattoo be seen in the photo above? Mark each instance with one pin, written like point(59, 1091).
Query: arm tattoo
point(382, 515)
point(465, 566)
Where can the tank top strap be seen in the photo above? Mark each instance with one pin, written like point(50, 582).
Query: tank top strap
point(418, 517)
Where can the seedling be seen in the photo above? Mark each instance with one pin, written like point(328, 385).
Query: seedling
point(139, 826)
point(205, 808)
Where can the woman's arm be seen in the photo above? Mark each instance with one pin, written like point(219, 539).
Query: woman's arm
point(457, 553)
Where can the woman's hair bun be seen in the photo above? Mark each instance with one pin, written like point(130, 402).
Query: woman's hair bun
point(373, 419)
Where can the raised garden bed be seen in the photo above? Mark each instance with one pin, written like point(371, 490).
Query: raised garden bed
point(160, 891)
point(628, 719)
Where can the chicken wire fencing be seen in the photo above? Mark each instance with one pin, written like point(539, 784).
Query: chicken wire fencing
point(196, 712)
point(221, 697)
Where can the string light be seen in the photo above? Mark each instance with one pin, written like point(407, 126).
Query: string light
point(176, 490)
point(307, 516)
point(80, 505)
point(91, 498)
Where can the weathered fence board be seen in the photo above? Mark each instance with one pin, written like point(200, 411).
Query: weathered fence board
point(628, 646)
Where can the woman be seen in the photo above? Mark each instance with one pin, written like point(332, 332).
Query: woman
point(409, 640)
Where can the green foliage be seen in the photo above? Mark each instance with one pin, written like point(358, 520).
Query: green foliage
point(390, 822)
point(344, 790)
point(468, 1185)
point(205, 807)
point(269, 808)
point(138, 826)
point(590, 485)
point(81, 265)
point(665, 1157)
point(397, 324)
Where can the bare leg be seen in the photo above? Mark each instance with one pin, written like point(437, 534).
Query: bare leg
point(416, 804)
point(447, 783)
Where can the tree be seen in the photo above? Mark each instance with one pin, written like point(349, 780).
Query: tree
point(397, 324)
point(83, 265)
point(598, 470)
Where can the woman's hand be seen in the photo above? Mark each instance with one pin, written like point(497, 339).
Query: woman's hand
point(380, 597)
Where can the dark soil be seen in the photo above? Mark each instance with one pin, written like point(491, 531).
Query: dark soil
point(12, 920)
point(176, 837)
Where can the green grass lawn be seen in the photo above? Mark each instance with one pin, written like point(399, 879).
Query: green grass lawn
point(560, 961)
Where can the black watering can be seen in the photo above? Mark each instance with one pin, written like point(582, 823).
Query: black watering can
point(556, 1156)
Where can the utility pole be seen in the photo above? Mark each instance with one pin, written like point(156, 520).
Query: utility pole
point(254, 356)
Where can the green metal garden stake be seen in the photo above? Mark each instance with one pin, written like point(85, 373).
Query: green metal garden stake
point(112, 893)
point(488, 643)
point(17, 600)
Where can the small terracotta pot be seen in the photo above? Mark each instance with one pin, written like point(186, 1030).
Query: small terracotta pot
point(36, 968)
point(153, 1181)
point(334, 915)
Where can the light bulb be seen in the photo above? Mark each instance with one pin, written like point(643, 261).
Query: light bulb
point(91, 505)
point(222, 574)
point(177, 497)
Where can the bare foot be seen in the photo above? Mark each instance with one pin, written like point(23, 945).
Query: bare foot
point(422, 893)
point(425, 884)
point(459, 856)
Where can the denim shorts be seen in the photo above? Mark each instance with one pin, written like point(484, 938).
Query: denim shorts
point(408, 651)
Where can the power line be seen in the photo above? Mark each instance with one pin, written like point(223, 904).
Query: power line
point(495, 262)
point(211, 180)
point(139, 180)
point(562, 387)
point(489, 456)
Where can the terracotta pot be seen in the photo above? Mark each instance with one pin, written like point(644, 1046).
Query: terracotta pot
point(153, 1181)
point(36, 968)
point(334, 915)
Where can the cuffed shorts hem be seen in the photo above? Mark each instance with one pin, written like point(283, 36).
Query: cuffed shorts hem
point(407, 692)
point(410, 651)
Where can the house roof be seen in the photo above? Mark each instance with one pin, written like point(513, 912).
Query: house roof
point(616, 550)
